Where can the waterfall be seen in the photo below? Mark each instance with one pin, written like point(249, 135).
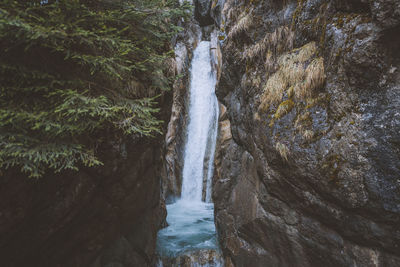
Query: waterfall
point(191, 234)
point(202, 127)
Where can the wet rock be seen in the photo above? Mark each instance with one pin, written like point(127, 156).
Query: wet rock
point(216, 54)
point(200, 258)
point(186, 42)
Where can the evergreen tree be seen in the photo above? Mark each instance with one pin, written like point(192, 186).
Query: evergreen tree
point(71, 70)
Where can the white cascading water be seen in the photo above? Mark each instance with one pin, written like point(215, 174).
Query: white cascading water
point(191, 220)
point(203, 118)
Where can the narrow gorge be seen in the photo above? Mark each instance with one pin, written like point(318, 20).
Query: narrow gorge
point(190, 235)
point(256, 133)
point(307, 157)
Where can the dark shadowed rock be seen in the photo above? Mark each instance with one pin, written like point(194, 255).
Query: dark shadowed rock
point(97, 217)
point(202, 9)
point(112, 213)
point(386, 12)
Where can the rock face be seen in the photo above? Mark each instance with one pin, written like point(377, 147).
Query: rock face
point(107, 216)
point(185, 43)
point(202, 10)
point(308, 162)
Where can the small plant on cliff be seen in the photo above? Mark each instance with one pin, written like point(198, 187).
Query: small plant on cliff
point(298, 74)
point(72, 71)
point(282, 150)
point(315, 78)
point(284, 108)
point(273, 44)
point(242, 25)
point(308, 135)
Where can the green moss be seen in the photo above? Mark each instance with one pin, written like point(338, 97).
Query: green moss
point(284, 108)
point(322, 100)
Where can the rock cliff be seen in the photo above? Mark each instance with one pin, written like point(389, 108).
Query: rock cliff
point(307, 167)
point(100, 217)
point(185, 43)
point(308, 162)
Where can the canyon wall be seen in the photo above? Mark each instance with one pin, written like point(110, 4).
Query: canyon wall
point(308, 158)
point(185, 43)
point(106, 216)
point(200, 26)
point(307, 167)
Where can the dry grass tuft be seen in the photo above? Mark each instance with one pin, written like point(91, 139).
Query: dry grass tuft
point(284, 108)
point(244, 23)
point(269, 62)
point(293, 77)
point(230, 10)
point(308, 134)
point(305, 52)
point(315, 77)
point(302, 118)
point(275, 87)
point(283, 150)
point(273, 43)
point(290, 92)
point(254, 51)
point(304, 121)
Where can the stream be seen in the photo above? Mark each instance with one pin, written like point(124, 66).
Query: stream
point(190, 239)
